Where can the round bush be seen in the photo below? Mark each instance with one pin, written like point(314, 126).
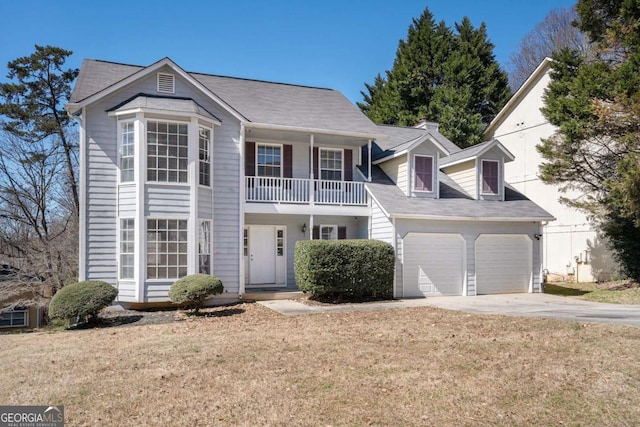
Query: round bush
point(82, 300)
point(192, 290)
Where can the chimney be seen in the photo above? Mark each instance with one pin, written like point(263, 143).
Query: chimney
point(426, 125)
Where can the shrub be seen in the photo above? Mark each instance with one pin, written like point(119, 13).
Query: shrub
point(82, 301)
point(345, 268)
point(192, 290)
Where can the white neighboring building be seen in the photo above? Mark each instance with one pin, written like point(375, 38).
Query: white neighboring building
point(570, 244)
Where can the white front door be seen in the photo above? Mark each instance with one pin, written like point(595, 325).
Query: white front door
point(262, 255)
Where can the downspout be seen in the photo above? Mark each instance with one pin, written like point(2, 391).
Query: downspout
point(241, 287)
point(394, 243)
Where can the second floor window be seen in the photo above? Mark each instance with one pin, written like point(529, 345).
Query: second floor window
point(127, 152)
point(269, 160)
point(490, 177)
point(204, 141)
point(330, 164)
point(423, 173)
point(167, 156)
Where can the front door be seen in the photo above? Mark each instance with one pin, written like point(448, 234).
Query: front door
point(262, 255)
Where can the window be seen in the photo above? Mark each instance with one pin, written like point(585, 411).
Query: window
point(167, 156)
point(423, 173)
point(280, 242)
point(269, 160)
point(245, 242)
point(328, 232)
point(127, 152)
point(490, 177)
point(166, 248)
point(16, 317)
point(204, 247)
point(330, 164)
point(204, 141)
point(127, 248)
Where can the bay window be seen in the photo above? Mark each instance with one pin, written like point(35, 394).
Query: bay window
point(127, 245)
point(204, 142)
point(166, 248)
point(204, 247)
point(167, 152)
point(127, 152)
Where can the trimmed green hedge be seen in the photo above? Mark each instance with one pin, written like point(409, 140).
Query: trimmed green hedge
point(346, 268)
point(194, 289)
point(82, 300)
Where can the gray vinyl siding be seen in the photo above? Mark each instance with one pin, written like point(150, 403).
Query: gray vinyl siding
point(166, 201)
point(102, 198)
point(126, 201)
point(100, 193)
point(470, 231)
point(126, 291)
point(465, 176)
point(381, 226)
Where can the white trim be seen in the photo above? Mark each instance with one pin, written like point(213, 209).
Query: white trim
point(241, 212)
point(341, 150)
point(140, 173)
point(193, 179)
point(335, 231)
point(492, 144)
point(420, 140)
point(167, 113)
point(469, 218)
point(84, 184)
point(481, 175)
point(413, 174)
point(143, 72)
point(11, 312)
point(269, 144)
point(394, 242)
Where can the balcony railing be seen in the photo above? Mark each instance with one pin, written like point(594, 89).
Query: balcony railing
point(307, 191)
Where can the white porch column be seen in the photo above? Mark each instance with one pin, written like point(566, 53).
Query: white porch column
point(312, 185)
point(311, 227)
point(242, 198)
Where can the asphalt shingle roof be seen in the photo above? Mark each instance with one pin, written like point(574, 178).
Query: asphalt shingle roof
point(258, 101)
point(400, 138)
point(453, 202)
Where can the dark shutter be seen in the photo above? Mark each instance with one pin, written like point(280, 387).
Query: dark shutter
point(342, 233)
point(250, 158)
point(287, 171)
point(316, 154)
point(348, 165)
point(316, 232)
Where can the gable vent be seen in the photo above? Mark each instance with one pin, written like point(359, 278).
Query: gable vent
point(166, 83)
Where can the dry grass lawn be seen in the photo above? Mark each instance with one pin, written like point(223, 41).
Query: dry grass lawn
point(621, 292)
point(408, 367)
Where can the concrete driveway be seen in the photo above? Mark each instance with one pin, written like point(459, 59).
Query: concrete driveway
point(528, 305)
point(542, 305)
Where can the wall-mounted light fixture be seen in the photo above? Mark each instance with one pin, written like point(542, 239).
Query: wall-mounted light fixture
point(537, 236)
point(304, 227)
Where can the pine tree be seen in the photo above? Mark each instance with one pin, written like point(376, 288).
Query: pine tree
point(448, 77)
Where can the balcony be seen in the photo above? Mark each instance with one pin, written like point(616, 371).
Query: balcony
point(305, 191)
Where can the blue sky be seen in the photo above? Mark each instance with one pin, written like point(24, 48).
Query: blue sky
point(340, 44)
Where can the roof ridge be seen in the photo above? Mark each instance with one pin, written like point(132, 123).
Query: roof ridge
point(222, 76)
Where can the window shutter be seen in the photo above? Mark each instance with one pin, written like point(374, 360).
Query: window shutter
point(316, 154)
point(288, 162)
point(342, 233)
point(250, 158)
point(316, 232)
point(348, 165)
point(166, 83)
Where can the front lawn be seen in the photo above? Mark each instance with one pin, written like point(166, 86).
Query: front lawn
point(620, 292)
point(250, 366)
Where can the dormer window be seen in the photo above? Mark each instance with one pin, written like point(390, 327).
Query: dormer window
point(166, 83)
point(423, 173)
point(490, 177)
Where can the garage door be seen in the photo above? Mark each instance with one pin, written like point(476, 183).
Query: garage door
point(503, 263)
point(433, 264)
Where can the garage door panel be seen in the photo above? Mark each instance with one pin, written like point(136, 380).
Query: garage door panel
point(503, 264)
point(433, 264)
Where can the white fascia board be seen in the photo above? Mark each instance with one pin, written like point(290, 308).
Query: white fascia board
point(404, 151)
point(71, 107)
point(163, 113)
point(269, 126)
point(518, 95)
point(494, 143)
point(469, 218)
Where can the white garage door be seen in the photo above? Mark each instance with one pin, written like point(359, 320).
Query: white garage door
point(433, 264)
point(503, 263)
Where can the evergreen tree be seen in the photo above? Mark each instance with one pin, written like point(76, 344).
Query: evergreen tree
point(440, 75)
point(596, 106)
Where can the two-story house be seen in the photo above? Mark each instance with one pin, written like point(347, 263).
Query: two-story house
point(184, 172)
